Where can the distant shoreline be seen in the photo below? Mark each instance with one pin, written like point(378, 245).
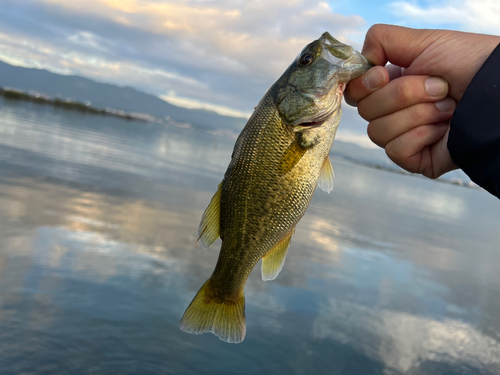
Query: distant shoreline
point(13, 94)
point(397, 170)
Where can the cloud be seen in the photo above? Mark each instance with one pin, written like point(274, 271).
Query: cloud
point(468, 15)
point(224, 53)
point(87, 39)
point(193, 103)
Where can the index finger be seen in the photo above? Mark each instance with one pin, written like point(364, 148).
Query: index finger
point(363, 86)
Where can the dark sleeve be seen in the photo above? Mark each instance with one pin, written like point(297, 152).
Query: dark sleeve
point(474, 139)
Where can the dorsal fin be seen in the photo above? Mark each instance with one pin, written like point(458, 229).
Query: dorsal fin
point(327, 176)
point(210, 222)
point(273, 261)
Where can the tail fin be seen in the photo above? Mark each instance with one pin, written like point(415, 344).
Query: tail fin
point(226, 319)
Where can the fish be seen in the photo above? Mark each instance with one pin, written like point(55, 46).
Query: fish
point(279, 159)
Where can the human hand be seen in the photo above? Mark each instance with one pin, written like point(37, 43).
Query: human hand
point(409, 109)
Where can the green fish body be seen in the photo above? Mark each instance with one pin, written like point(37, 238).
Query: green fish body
point(279, 159)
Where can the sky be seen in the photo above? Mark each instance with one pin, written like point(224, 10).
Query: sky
point(217, 55)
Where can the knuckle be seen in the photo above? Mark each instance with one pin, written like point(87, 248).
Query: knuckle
point(365, 110)
point(429, 173)
point(418, 114)
point(420, 131)
point(375, 30)
point(350, 97)
point(351, 102)
point(404, 92)
point(392, 153)
point(362, 112)
point(374, 133)
point(397, 155)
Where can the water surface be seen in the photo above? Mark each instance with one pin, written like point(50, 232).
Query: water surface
point(388, 274)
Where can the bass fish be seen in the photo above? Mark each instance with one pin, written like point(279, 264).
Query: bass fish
point(279, 159)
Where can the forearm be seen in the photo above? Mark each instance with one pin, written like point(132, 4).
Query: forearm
point(474, 139)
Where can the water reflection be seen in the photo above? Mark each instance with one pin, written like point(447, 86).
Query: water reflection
point(389, 274)
point(405, 342)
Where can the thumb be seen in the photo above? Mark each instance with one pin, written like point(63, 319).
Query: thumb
point(398, 45)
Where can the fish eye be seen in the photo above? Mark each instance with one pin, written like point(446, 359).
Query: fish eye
point(306, 59)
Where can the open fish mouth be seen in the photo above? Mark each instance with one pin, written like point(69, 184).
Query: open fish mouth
point(323, 115)
point(317, 121)
point(312, 124)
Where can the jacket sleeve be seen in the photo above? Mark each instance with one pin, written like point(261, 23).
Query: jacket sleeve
point(474, 138)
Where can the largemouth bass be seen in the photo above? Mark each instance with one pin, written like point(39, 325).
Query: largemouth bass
point(279, 159)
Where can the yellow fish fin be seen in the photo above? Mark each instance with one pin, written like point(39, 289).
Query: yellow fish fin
point(210, 222)
point(327, 176)
point(226, 319)
point(291, 157)
point(273, 261)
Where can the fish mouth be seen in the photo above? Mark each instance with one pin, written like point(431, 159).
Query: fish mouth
point(323, 115)
point(352, 63)
point(317, 121)
point(312, 124)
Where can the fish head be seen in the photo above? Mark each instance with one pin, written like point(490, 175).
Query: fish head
point(311, 89)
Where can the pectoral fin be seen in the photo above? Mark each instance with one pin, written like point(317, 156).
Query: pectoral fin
point(291, 157)
point(327, 176)
point(210, 222)
point(273, 261)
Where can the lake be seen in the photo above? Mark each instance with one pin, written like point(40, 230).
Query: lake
point(388, 274)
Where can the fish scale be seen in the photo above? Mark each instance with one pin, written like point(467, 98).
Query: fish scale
point(274, 171)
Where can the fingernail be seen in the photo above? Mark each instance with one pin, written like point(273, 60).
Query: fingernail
point(373, 79)
point(436, 86)
point(446, 105)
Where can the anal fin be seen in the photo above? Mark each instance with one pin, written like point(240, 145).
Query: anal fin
point(327, 176)
point(273, 261)
point(210, 222)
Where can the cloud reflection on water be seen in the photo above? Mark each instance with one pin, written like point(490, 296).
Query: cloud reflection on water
point(403, 341)
point(383, 267)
